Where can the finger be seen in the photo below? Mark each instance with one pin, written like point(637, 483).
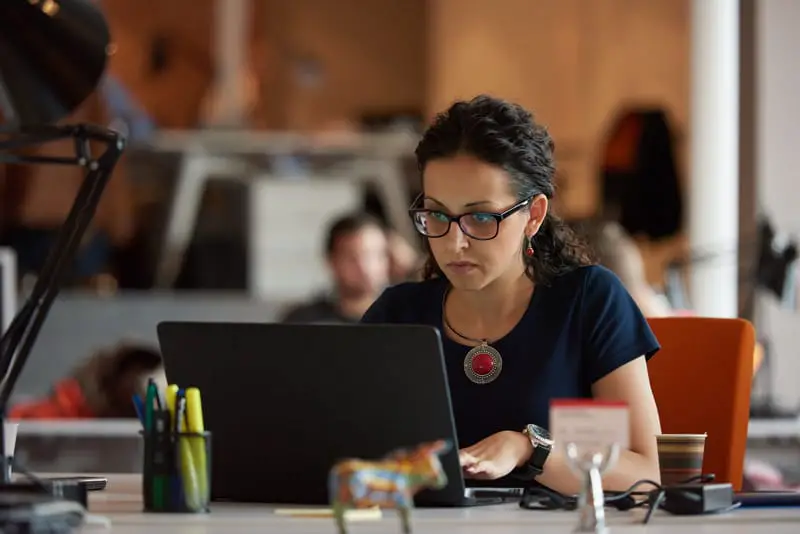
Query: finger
point(478, 467)
point(472, 472)
point(466, 459)
point(486, 470)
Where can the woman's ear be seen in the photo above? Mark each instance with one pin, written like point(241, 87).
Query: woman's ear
point(538, 211)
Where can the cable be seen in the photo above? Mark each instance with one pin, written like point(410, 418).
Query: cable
point(543, 498)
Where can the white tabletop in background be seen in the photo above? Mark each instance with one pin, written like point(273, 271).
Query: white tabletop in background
point(121, 504)
point(89, 428)
point(118, 428)
point(774, 428)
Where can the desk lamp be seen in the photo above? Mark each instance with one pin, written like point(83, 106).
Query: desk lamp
point(52, 56)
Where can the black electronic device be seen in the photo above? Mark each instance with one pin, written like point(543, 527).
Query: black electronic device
point(696, 499)
point(337, 395)
point(768, 499)
point(89, 482)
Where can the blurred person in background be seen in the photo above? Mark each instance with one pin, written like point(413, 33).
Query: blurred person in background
point(101, 386)
point(617, 251)
point(357, 254)
point(405, 262)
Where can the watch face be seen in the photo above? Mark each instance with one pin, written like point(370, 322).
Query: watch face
point(540, 434)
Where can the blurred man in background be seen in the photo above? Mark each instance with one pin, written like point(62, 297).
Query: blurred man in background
point(357, 253)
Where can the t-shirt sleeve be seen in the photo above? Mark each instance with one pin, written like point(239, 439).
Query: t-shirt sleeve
point(615, 331)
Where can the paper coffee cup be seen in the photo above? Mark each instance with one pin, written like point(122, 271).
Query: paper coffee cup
point(680, 456)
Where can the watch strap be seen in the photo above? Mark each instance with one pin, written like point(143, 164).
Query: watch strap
point(535, 464)
point(538, 458)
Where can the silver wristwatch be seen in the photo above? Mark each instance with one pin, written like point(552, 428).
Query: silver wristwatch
point(542, 443)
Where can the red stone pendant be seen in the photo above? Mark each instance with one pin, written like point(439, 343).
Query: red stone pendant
point(483, 364)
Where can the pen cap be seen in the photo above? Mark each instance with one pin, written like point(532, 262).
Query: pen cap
point(194, 410)
point(172, 392)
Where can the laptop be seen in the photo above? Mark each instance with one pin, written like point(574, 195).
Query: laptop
point(284, 402)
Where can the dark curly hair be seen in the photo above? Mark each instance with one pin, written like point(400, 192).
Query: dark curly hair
point(504, 134)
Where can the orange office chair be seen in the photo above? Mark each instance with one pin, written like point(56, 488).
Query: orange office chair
point(701, 381)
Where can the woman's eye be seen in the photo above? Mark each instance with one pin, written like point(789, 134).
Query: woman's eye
point(439, 216)
point(482, 218)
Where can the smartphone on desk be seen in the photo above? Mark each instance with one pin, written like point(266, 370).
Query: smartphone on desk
point(91, 483)
point(779, 498)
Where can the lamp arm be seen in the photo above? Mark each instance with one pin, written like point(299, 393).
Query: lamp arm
point(17, 342)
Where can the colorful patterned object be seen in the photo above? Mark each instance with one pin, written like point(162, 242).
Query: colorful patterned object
point(388, 483)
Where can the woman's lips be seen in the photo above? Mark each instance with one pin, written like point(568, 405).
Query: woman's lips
point(462, 267)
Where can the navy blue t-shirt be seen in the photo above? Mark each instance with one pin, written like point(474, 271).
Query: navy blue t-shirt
point(577, 330)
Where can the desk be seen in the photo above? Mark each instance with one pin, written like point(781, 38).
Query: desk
point(121, 504)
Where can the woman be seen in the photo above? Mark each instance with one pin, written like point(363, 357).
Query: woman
point(525, 317)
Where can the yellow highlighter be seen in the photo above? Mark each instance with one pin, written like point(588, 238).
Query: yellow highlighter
point(194, 418)
point(191, 488)
point(172, 394)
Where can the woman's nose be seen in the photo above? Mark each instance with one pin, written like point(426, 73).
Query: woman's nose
point(456, 239)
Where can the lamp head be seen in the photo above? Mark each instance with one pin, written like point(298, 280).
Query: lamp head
point(52, 56)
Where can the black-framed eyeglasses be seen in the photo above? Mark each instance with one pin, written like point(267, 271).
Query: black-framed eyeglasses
point(480, 225)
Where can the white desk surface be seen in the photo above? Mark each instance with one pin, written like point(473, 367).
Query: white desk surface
point(121, 504)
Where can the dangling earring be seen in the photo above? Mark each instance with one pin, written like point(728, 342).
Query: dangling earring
point(529, 248)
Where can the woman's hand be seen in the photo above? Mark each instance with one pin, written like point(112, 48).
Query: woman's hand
point(495, 456)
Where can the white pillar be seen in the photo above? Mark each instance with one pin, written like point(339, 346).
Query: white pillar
point(713, 194)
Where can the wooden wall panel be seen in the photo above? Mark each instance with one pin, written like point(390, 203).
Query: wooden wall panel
point(372, 54)
point(637, 53)
point(523, 50)
point(174, 96)
point(574, 63)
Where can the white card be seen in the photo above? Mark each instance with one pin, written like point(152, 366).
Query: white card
point(589, 424)
point(10, 435)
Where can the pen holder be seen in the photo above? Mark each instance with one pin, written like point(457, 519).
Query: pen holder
point(176, 474)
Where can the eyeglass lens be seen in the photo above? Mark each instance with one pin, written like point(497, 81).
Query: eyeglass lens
point(436, 224)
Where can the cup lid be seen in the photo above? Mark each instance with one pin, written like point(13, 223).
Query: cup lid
point(666, 437)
